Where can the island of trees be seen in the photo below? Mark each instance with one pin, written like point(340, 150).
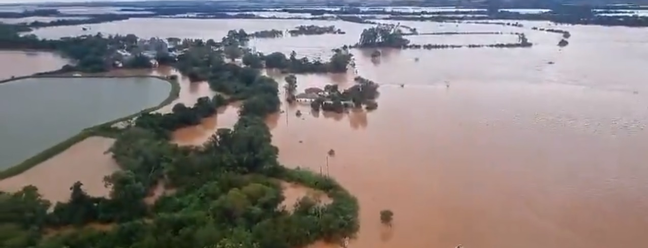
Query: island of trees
point(363, 93)
point(226, 193)
point(390, 36)
point(488, 10)
point(199, 62)
point(314, 30)
point(273, 33)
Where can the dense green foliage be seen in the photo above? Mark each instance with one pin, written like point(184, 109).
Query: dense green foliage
point(314, 30)
point(226, 193)
point(386, 216)
point(337, 63)
point(272, 33)
point(363, 92)
point(91, 53)
point(382, 36)
point(181, 116)
point(291, 87)
point(92, 19)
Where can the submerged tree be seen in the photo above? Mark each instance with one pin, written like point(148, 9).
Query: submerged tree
point(386, 217)
point(291, 87)
point(563, 43)
point(382, 36)
point(233, 52)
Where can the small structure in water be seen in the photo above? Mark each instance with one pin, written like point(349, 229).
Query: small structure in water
point(306, 97)
point(314, 90)
point(416, 59)
point(376, 53)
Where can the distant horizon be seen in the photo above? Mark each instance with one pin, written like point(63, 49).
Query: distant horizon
point(37, 2)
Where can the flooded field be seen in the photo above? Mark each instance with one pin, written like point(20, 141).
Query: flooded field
point(25, 63)
point(86, 161)
point(535, 148)
point(38, 113)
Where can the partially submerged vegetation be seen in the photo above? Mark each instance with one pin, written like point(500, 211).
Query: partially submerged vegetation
point(338, 62)
point(583, 14)
point(272, 33)
point(565, 34)
point(227, 192)
point(382, 36)
point(386, 217)
point(91, 53)
point(391, 36)
point(204, 62)
point(563, 43)
point(363, 93)
point(314, 30)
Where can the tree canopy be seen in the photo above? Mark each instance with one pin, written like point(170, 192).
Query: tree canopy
point(227, 192)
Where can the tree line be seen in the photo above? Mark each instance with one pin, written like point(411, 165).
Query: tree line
point(390, 36)
point(203, 61)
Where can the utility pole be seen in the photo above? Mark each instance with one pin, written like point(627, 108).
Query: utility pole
point(327, 166)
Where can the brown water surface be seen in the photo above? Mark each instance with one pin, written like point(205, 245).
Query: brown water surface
point(86, 161)
point(25, 63)
point(515, 152)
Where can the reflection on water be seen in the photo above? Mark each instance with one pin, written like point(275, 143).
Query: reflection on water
point(517, 152)
point(51, 110)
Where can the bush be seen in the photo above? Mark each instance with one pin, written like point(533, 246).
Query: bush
point(386, 216)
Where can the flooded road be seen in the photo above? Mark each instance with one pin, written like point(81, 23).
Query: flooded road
point(515, 152)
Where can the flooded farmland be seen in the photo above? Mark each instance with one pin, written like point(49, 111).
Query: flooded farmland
point(86, 162)
point(25, 63)
point(38, 113)
point(538, 147)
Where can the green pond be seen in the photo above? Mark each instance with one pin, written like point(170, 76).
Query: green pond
point(37, 113)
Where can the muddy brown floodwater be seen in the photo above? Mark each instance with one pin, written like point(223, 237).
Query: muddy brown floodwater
point(25, 63)
point(515, 152)
point(86, 162)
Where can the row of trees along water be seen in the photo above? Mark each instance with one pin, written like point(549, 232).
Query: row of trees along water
point(91, 53)
point(226, 193)
point(194, 62)
point(298, 31)
point(493, 10)
point(489, 10)
point(65, 20)
point(391, 36)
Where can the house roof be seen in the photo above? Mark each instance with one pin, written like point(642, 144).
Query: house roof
point(309, 96)
point(313, 90)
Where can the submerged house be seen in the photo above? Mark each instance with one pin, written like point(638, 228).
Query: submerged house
point(306, 97)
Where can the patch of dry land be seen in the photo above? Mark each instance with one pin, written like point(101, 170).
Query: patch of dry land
point(86, 161)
